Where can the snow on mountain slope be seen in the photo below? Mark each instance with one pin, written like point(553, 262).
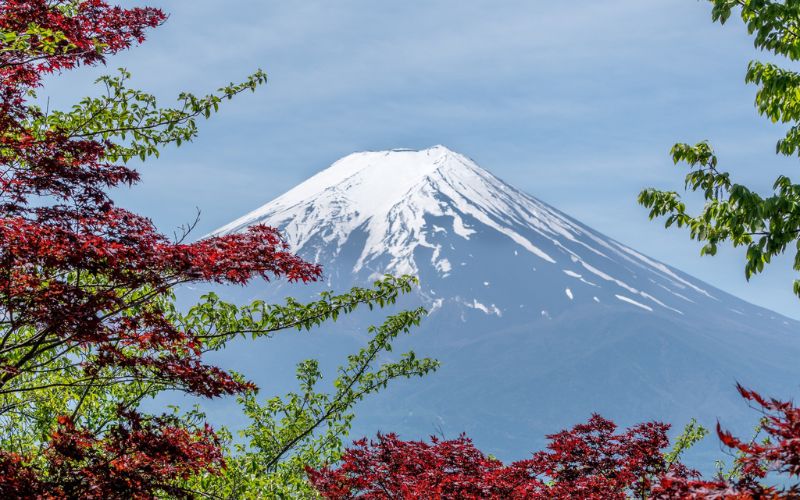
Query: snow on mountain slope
point(538, 320)
point(393, 197)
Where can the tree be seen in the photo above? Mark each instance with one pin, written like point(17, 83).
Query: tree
point(285, 433)
point(587, 461)
point(88, 327)
point(766, 226)
point(307, 428)
point(590, 461)
point(777, 454)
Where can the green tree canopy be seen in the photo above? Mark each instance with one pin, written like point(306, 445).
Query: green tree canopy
point(734, 213)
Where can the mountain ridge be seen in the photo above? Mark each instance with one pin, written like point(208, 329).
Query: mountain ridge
point(538, 319)
point(389, 197)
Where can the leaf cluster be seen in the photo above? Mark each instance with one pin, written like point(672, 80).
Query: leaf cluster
point(307, 428)
point(130, 121)
point(766, 226)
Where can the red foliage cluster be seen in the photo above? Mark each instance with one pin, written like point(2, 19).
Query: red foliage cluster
point(778, 454)
point(70, 259)
point(136, 458)
point(391, 468)
point(589, 461)
point(17, 479)
point(56, 218)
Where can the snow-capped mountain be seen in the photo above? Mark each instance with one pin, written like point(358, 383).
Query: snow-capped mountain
point(538, 319)
point(399, 211)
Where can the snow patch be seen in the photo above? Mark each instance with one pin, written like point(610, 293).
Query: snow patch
point(648, 296)
point(683, 297)
point(573, 274)
point(664, 269)
point(606, 277)
point(492, 309)
point(460, 228)
point(443, 266)
point(631, 301)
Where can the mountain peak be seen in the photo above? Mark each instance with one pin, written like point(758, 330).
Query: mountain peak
point(370, 182)
point(374, 178)
point(523, 300)
point(406, 211)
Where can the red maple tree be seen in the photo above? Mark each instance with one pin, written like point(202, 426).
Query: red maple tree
point(78, 273)
point(589, 461)
point(134, 459)
point(778, 454)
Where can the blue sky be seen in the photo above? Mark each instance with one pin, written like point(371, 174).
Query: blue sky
point(575, 102)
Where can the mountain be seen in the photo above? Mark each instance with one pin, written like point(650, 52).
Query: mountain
point(538, 320)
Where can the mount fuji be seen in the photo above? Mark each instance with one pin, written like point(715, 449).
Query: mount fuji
point(537, 319)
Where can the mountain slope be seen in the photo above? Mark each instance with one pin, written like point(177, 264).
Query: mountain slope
point(400, 211)
point(538, 319)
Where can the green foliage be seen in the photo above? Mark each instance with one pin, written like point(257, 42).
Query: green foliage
point(307, 428)
point(734, 472)
point(218, 322)
point(691, 435)
point(46, 40)
point(131, 119)
point(773, 23)
point(766, 225)
point(59, 384)
point(285, 434)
